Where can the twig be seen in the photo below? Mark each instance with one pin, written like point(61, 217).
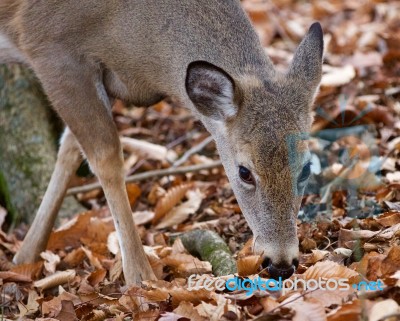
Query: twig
point(195, 149)
point(149, 174)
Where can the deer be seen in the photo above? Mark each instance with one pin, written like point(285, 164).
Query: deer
point(206, 55)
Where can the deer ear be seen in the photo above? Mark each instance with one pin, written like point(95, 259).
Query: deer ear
point(211, 90)
point(307, 60)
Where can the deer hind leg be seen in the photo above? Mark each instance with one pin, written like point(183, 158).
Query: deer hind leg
point(68, 160)
point(76, 91)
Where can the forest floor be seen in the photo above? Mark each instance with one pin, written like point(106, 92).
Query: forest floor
point(348, 228)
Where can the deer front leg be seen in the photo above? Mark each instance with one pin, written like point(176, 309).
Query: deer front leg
point(68, 159)
point(78, 95)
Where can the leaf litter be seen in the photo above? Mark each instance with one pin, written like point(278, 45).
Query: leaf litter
point(355, 149)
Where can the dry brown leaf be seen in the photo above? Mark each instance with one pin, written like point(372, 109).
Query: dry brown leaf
point(178, 247)
point(51, 261)
point(31, 306)
point(133, 190)
point(116, 269)
point(143, 217)
point(343, 252)
point(350, 238)
point(113, 243)
point(171, 316)
point(30, 270)
point(14, 277)
point(187, 310)
point(75, 257)
point(97, 233)
point(67, 312)
point(383, 309)
point(57, 278)
point(156, 263)
point(329, 269)
point(389, 219)
point(70, 234)
point(96, 277)
point(247, 249)
point(155, 194)
point(393, 177)
point(96, 315)
point(214, 312)
point(53, 307)
point(337, 76)
point(93, 259)
point(174, 260)
point(180, 213)
point(370, 265)
point(331, 297)
point(173, 196)
point(315, 256)
point(268, 303)
point(248, 265)
point(177, 291)
point(391, 263)
point(186, 264)
point(308, 244)
point(306, 310)
point(347, 312)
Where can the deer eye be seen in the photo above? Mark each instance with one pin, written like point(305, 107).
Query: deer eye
point(245, 175)
point(305, 173)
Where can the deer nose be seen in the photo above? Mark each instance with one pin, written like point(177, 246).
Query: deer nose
point(282, 269)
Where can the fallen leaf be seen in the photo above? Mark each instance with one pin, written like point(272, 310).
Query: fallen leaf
point(347, 312)
point(383, 309)
point(57, 278)
point(96, 277)
point(187, 310)
point(53, 307)
point(389, 219)
point(31, 306)
point(94, 260)
point(67, 312)
point(306, 310)
point(173, 196)
point(14, 277)
point(391, 263)
point(51, 261)
point(133, 190)
point(337, 76)
point(143, 217)
point(30, 270)
point(248, 265)
point(171, 316)
point(180, 213)
point(329, 269)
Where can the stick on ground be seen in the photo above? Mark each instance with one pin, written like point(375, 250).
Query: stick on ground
point(209, 246)
point(149, 174)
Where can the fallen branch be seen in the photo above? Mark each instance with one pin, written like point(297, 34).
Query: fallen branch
point(194, 150)
point(147, 175)
point(209, 246)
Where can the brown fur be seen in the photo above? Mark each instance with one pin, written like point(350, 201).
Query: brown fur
point(203, 53)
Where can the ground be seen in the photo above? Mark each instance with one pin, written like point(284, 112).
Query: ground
point(348, 229)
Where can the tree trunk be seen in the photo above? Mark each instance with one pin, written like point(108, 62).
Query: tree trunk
point(28, 144)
